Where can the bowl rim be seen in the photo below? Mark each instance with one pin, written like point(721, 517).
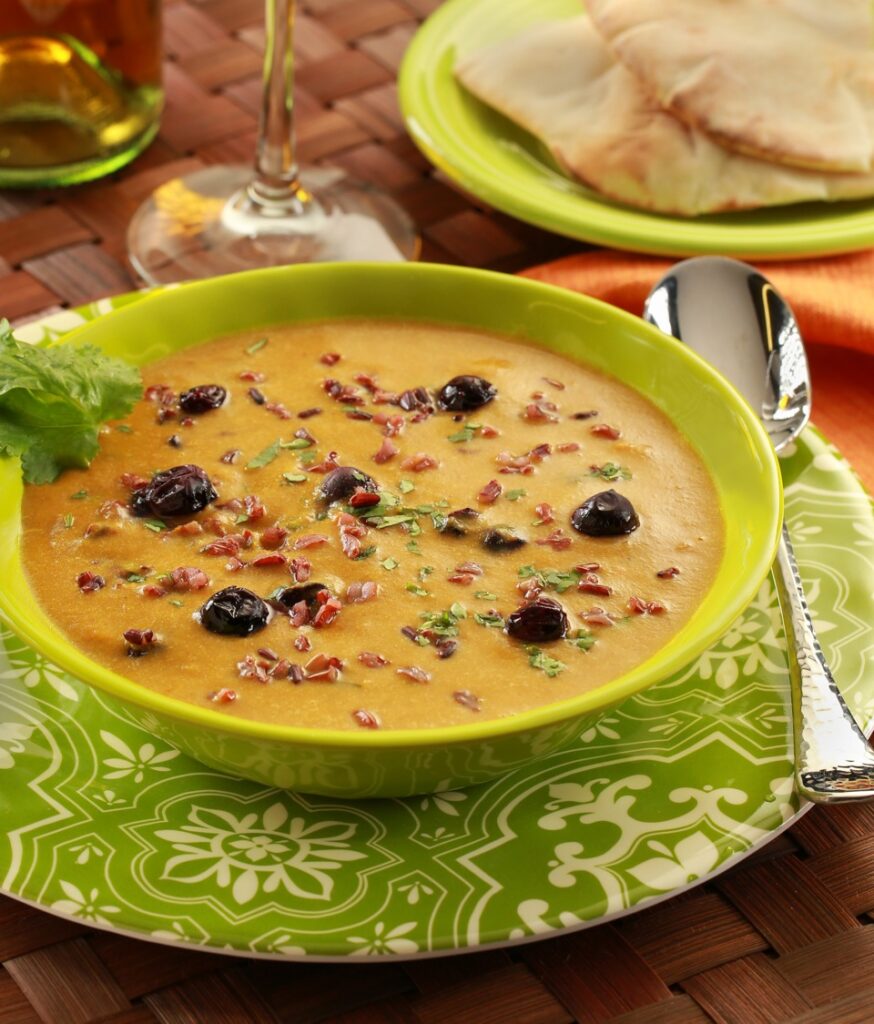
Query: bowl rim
point(54, 645)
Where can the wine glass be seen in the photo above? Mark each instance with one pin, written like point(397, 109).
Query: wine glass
point(223, 219)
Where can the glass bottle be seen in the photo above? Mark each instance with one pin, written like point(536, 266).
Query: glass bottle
point(80, 87)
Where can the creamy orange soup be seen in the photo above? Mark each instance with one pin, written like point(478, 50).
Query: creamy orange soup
point(511, 539)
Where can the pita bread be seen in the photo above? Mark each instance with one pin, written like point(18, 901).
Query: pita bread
point(559, 81)
point(776, 80)
point(849, 22)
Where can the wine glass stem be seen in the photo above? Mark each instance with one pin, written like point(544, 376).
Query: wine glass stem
point(276, 183)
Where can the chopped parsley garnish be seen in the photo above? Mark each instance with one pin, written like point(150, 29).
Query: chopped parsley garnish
point(68, 520)
point(485, 595)
point(296, 443)
point(414, 588)
point(265, 456)
point(307, 457)
point(444, 623)
point(241, 518)
point(610, 471)
point(582, 638)
point(294, 478)
point(413, 546)
point(492, 619)
point(135, 577)
point(538, 658)
point(381, 522)
point(390, 511)
point(123, 428)
point(53, 401)
point(466, 433)
point(79, 495)
point(516, 494)
point(155, 525)
point(256, 346)
point(405, 486)
point(425, 572)
point(551, 579)
point(389, 564)
point(366, 552)
point(177, 603)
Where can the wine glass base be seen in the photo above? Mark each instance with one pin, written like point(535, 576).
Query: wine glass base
point(206, 224)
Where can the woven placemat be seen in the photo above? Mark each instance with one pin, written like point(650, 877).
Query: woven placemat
point(67, 246)
point(787, 936)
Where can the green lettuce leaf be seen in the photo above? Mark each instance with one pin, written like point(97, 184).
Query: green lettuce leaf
point(54, 400)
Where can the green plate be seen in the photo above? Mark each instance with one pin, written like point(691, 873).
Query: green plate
point(508, 168)
point(106, 825)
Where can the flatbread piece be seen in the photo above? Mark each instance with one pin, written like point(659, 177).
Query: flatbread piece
point(559, 81)
point(782, 81)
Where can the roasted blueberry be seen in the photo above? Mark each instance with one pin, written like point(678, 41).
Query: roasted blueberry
point(341, 483)
point(458, 523)
point(180, 491)
point(234, 611)
point(538, 622)
point(139, 503)
point(502, 538)
point(290, 596)
point(606, 514)
point(463, 394)
point(416, 398)
point(203, 398)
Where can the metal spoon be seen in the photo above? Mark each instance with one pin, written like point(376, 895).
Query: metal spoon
point(733, 317)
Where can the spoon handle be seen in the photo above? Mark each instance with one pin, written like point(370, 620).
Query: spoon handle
point(833, 761)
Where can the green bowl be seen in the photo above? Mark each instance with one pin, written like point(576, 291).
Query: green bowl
point(706, 409)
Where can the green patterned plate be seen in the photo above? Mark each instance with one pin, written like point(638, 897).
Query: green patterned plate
point(106, 825)
point(501, 163)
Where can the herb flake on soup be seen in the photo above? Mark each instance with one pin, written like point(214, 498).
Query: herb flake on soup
point(359, 525)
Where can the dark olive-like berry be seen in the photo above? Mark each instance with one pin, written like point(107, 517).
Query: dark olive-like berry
point(463, 394)
point(538, 622)
point(458, 523)
point(606, 514)
point(180, 491)
point(234, 611)
point(203, 398)
point(341, 483)
point(502, 538)
point(290, 596)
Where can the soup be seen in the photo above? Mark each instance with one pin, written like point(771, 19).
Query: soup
point(375, 525)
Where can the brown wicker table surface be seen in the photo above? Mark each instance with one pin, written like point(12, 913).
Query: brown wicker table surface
point(786, 936)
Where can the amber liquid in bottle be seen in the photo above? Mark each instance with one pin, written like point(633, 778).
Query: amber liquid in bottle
point(80, 87)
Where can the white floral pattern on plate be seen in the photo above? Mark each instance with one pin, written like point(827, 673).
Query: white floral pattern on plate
point(255, 852)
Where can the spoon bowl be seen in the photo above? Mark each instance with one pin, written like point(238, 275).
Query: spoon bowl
point(730, 314)
point(734, 317)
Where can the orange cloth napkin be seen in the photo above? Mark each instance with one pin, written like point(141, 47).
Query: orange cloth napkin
point(833, 301)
